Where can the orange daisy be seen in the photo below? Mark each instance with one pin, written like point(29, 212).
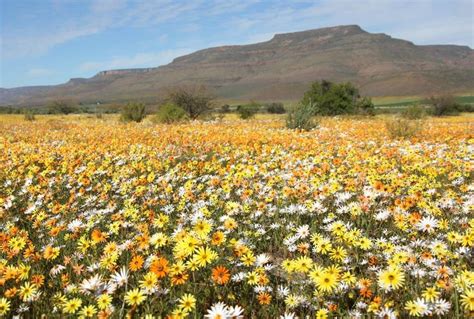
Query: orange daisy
point(136, 263)
point(220, 275)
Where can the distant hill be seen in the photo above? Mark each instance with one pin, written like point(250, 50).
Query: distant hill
point(281, 69)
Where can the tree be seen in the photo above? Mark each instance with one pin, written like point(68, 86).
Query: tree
point(62, 107)
point(195, 101)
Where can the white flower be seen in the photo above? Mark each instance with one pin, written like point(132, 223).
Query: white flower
point(218, 311)
point(288, 315)
point(120, 278)
point(441, 307)
point(427, 224)
point(302, 232)
point(262, 259)
point(91, 284)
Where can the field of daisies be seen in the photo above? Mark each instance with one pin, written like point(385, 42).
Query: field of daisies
point(236, 219)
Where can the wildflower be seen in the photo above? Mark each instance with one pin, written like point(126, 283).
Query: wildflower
point(71, 306)
point(467, 300)
point(187, 302)
point(149, 281)
point(431, 294)
point(88, 311)
point(159, 266)
point(204, 256)
point(27, 291)
point(4, 306)
point(326, 282)
point(134, 297)
point(391, 278)
point(136, 263)
point(264, 298)
point(104, 301)
point(220, 275)
point(218, 311)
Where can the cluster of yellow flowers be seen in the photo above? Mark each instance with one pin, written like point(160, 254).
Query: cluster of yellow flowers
point(236, 219)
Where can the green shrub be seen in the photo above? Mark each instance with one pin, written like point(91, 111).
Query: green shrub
point(444, 105)
point(400, 127)
point(62, 107)
point(301, 118)
point(133, 112)
point(170, 113)
point(414, 112)
point(29, 116)
point(247, 111)
point(327, 98)
point(275, 108)
point(364, 106)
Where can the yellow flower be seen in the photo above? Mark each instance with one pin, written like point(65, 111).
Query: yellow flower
point(27, 291)
point(431, 294)
point(338, 254)
point(391, 278)
point(88, 311)
point(204, 256)
point(322, 314)
point(326, 281)
point(187, 302)
point(134, 297)
point(413, 308)
point(71, 306)
point(467, 300)
point(149, 281)
point(104, 301)
point(4, 306)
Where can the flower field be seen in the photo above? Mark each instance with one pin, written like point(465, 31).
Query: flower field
point(237, 219)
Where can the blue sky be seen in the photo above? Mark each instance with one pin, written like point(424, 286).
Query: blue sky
point(49, 41)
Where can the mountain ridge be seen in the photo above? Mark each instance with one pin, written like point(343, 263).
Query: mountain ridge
point(281, 68)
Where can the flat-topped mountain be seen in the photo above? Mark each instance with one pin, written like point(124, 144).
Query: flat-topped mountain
point(281, 69)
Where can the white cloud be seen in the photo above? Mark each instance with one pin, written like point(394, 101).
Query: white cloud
point(145, 59)
point(418, 21)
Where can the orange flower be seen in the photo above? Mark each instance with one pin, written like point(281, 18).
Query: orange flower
point(218, 238)
point(38, 280)
point(264, 298)
point(136, 263)
point(97, 236)
point(179, 279)
point(220, 275)
point(159, 266)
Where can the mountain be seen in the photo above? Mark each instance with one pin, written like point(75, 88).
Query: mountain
point(281, 69)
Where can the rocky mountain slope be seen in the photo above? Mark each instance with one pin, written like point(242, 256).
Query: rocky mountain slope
point(281, 69)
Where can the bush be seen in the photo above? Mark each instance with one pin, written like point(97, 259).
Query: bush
point(133, 112)
point(276, 108)
point(29, 116)
point(414, 112)
point(399, 127)
point(169, 113)
point(301, 118)
point(444, 105)
point(364, 106)
point(62, 107)
point(195, 101)
point(328, 98)
point(225, 108)
point(247, 111)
